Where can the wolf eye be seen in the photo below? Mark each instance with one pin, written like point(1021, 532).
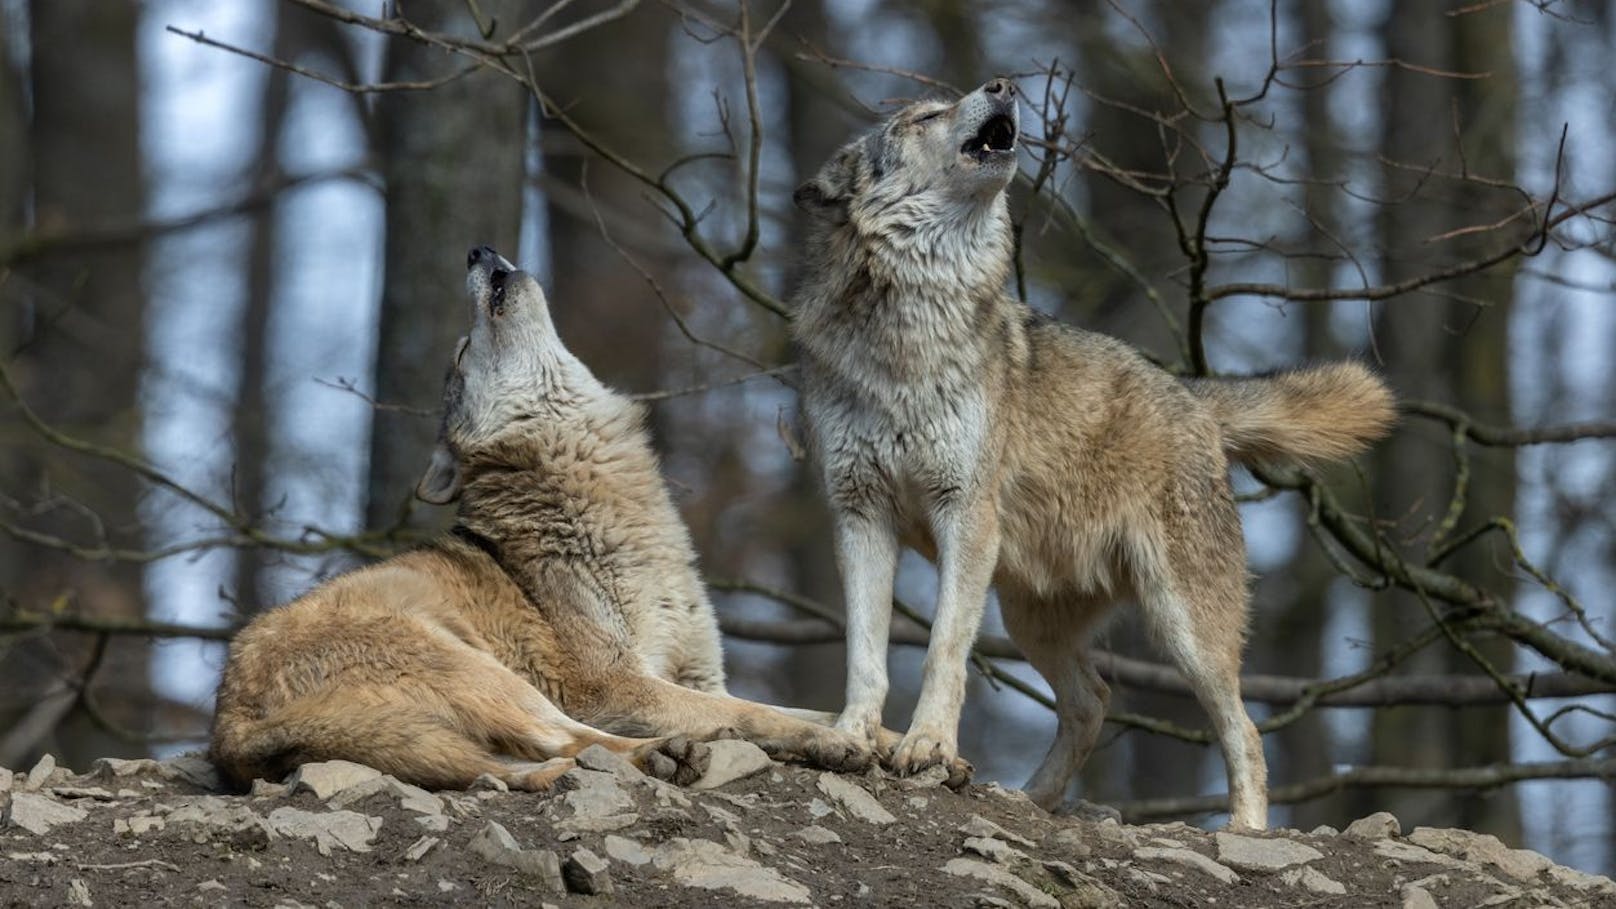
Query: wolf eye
point(931, 116)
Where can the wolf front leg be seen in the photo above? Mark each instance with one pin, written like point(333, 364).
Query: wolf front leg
point(967, 551)
point(867, 555)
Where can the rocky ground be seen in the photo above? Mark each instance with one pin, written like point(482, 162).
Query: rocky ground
point(749, 833)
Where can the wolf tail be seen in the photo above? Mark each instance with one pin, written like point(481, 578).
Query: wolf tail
point(1323, 413)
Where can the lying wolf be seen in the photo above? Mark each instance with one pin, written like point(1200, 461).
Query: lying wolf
point(1057, 464)
point(563, 610)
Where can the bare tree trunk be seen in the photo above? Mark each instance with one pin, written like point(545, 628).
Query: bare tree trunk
point(249, 423)
point(82, 345)
point(453, 163)
point(1445, 348)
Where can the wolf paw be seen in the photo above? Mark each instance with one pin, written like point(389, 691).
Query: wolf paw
point(921, 749)
point(836, 751)
point(678, 760)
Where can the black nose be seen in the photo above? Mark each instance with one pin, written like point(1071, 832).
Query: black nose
point(1000, 87)
point(480, 254)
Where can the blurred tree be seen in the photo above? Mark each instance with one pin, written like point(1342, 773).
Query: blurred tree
point(1447, 345)
point(249, 418)
point(82, 307)
point(452, 158)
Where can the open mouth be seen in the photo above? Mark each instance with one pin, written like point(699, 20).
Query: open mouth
point(997, 136)
point(496, 291)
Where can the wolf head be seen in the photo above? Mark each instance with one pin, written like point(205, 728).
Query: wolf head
point(512, 366)
point(928, 159)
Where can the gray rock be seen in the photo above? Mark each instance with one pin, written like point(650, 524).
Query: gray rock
point(1376, 826)
point(1085, 810)
point(1324, 830)
point(487, 782)
point(710, 866)
point(981, 826)
point(434, 823)
point(37, 814)
point(818, 808)
point(1187, 859)
point(78, 893)
point(190, 768)
point(1399, 851)
point(40, 774)
point(627, 851)
point(107, 769)
point(496, 845)
point(1071, 841)
point(82, 792)
point(813, 833)
point(138, 824)
point(1418, 898)
point(605, 760)
point(993, 874)
point(214, 812)
point(408, 797)
point(264, 789)
point(1313, 880)
point(346, 829)
point(420, 848)
point(587, 873)
point(327, 778)
point(854, 799)
point(1520, 864)
point(1262, 854)
point(732, 759)
point(5, 780)
point(930, 778)
point(994, 849)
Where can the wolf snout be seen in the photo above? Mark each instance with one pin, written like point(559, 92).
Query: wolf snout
point(1000, 86)
point(486, 256)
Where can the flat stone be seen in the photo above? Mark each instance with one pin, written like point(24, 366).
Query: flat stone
point(1188, 859)
point(40, 774)
point(1418, 898)
point(327, 778)
point(930, 778)
point(37, 813)
point(78, 893)
point(420, 848)
point(1521, 864)
point(813, 833)
point(994, 849)
point(106, 769)
point(1324, 830)
point(1071, 841)
point(1376, 826)
point(1399, 851)
point(190, 768)
point(627, 851)
point(496, 845)
point(993, 874)
point(572, 827)
point(587, 873)
point(854, 799)
point(1262, 854)
point(5, 780)
point(981, 826)
point(1582, 880)
point(711, 866)
point(605, 760)
point(732, 759)
point(264, 789)
point(1313, 880)
point(487, 782)
point(82, 792)
point(138, 824)
point(434, 823)
point(409, 797)
point(347, 829)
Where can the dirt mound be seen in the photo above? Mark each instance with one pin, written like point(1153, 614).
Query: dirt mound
point(750, 833)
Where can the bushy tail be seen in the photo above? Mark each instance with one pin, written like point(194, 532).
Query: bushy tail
point(1322, 413)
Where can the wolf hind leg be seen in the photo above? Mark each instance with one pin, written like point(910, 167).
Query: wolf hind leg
point(1054, 636)
point(1196, 605)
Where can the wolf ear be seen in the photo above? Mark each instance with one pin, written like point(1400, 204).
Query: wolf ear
point(828, 193)
point(440, 485)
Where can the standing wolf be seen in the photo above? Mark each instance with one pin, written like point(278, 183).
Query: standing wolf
point(564, 610)
point(1056, 464)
